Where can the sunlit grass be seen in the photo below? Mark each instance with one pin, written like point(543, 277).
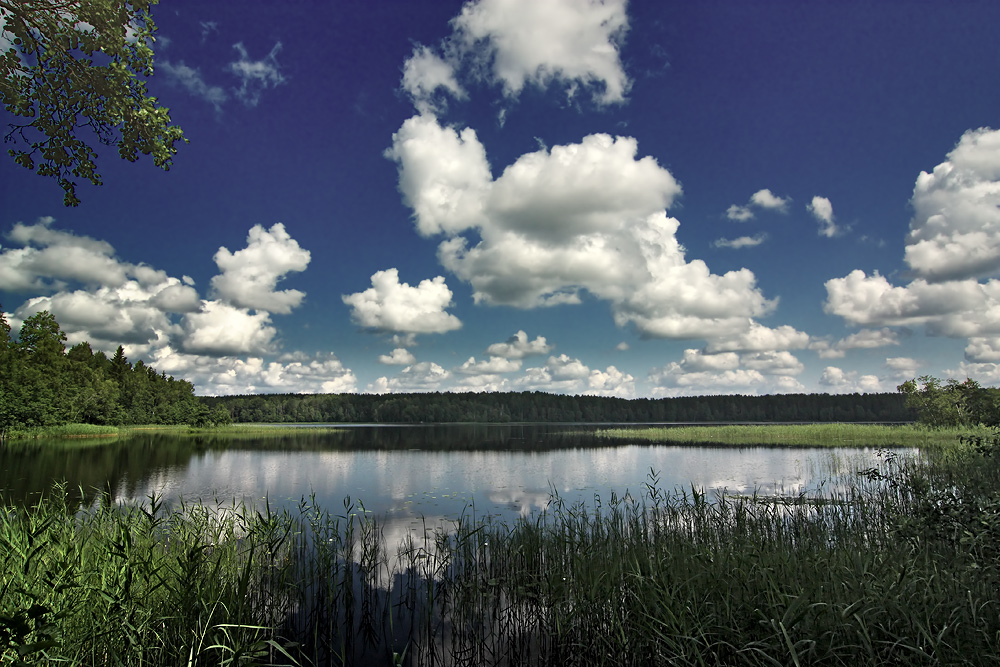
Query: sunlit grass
point(812, 435)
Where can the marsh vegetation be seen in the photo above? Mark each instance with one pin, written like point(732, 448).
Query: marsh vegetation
point(807, 435)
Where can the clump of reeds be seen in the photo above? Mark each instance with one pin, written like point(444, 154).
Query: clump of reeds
point(63, 431)
point(900, 567)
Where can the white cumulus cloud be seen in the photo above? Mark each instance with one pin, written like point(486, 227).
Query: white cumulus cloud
point(249, 276)
point(391, 306)
point(955, 230)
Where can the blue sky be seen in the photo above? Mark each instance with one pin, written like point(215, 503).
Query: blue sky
point(629, 199)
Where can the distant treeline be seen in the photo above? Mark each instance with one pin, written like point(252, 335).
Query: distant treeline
point(542, 407)
point(42, 384)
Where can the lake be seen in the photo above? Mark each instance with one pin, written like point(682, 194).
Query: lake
point(410, 476)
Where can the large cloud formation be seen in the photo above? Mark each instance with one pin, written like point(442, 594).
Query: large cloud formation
point(587, 216)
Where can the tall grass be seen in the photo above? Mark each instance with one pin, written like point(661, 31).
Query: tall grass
point(900, 567)
point(813, 435)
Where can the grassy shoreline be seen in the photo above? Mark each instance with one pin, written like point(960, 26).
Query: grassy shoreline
point(811, 435)
point(807, 435)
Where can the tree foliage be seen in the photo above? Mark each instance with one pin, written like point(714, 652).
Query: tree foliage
point(74, 64)
point(42, 384)
point(952, 403)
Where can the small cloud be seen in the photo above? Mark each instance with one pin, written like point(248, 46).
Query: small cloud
point(741, 242)
point(767, 200)
point(398, 357)
point(518, 347)
point(391, 306)
point(739, 213)
point(822, 210)
point(622, 346)
point(255, 76)
point(424, 74)
point(764, 199)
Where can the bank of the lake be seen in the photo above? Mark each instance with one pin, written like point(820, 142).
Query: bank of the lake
point(806, 435)
point(900, 567)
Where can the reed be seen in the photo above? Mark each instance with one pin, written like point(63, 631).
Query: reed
point(902, 566)
point(64, 431)
point(810, 435)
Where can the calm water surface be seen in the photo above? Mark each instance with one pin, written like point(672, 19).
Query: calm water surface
point(410, 475)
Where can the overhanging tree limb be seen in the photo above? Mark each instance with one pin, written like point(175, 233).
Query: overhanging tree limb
point(75, 64)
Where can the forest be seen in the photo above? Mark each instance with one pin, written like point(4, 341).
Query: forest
point(540, 407)
point(42, 384)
